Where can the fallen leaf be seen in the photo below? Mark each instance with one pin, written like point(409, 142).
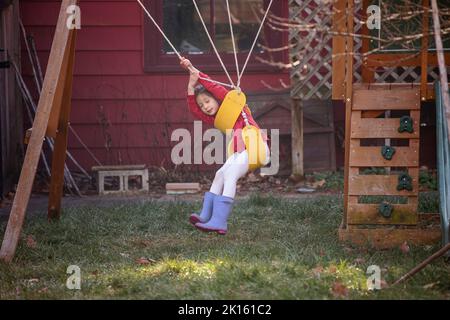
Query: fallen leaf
point(318, 184)
point(360, 260)
point(31, 243)
point(383, 284)
point(43, 290)
point(144, 261)
point(430, 285)
point(339, 290)
point(317, 271)
point(33, 280)
point(404, 247)
point(332, 269)
point(252, 177)
point(348, 249)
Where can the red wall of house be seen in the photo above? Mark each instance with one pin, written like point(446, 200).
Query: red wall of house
point(124, 115)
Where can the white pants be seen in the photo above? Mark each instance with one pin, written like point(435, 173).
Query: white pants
point(232, 170)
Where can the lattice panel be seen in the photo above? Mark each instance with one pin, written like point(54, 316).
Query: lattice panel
point(312, 49)
point(405, 74)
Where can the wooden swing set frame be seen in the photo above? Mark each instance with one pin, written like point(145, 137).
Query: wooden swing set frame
point(51, 120)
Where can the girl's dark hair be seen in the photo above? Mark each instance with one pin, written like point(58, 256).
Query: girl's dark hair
point(201, 89)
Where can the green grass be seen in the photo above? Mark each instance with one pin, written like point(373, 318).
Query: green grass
point(275, 249)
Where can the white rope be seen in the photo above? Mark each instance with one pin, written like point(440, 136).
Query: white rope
point(212, 42)
point(175, 50)
point(162, 32)
point(232, 39)
point(254, 42)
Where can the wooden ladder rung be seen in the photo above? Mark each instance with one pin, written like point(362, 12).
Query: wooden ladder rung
point(395, 99)
point(372, 157)
point(382, 128)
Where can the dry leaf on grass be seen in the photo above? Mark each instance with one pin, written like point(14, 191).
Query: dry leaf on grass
point(339, 290)
point(383, 284)
point(145, 261)
point(360, 260)
point(430, 285)
point(31, 243)
point(404, 247)
point(332, 269)
point(317, 271)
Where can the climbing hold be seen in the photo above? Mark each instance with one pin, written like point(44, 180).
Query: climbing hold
point(404, 182)
point(406, 124)
point(385, 209)
point(387, 152)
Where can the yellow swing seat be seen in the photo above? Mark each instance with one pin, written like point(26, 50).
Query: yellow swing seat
point(226, 117)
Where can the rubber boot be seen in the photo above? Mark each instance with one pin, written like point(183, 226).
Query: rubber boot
point(221, 211)
point(206, 212)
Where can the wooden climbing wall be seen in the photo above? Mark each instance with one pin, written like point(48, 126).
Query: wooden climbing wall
point(374, 124)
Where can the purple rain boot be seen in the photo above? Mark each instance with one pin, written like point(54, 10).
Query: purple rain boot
point(221, 211)
point(206, 212)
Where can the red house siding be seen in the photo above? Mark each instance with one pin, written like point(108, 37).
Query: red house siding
point(124, 115)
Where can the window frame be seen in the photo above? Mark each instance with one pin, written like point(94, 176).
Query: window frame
point(155, 61)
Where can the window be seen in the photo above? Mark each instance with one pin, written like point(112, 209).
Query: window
point(182, 25)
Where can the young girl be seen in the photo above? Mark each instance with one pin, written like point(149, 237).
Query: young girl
point(204, 102)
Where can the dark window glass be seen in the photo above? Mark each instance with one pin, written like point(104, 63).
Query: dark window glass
point(184, 28)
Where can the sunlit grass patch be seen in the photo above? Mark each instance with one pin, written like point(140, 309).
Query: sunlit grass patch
point(275, 249)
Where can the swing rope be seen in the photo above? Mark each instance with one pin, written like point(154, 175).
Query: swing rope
point(239, 74)
point(173, 47)
point(254, 43)
point(212, 43)
point(232, 39)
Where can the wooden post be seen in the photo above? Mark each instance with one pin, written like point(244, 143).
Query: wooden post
point(348, 101)
point(59, 152)
point(441, 62)
point(338, 56)
point(424, 51)
point(297, 139)
point(368, 75)
point(47, 100)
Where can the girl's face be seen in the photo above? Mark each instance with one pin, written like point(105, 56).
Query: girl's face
point(209, 105)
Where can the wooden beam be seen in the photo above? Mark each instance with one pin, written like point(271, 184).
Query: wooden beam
point(46, 102)
point(297, 139)
point(384, 238)
point(368, 74)
point(423, 264)
point(382, 128)
point(401, 59)
point(59, 151)
point(338, 56)
point(441, 60)
point(348, 101)
point(398, 99)
point(371, 156)
point(424, 51)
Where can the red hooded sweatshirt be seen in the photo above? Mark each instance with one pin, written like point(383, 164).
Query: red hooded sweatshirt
point(219, 92)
